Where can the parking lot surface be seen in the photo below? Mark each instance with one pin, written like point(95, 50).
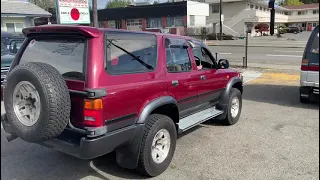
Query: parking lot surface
point(276, 138)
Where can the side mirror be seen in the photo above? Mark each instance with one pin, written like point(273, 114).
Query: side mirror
point(223, 64)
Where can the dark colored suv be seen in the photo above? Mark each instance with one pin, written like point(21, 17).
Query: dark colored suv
point(87, 92)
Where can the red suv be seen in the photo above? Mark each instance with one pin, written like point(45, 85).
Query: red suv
point(87, 92)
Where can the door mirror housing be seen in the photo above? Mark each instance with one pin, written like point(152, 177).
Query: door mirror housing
point(223, 64)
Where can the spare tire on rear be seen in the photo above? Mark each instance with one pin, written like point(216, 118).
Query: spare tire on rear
point(37, 101)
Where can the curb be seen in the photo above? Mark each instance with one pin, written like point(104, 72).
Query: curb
point(240, 45)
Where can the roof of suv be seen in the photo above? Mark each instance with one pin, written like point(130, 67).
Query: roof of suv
point(85, 30)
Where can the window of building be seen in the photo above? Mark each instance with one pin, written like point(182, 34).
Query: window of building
point(177, 55)
point(315, 12)
point(260, 8)
point(154, 23)
point(215, 8)
point(176, 21)
point(257, 7)
point(134, 22)
point(302, 12)
point(192, 20)
point(251, 6)
point(14, 27)
point(126, 56)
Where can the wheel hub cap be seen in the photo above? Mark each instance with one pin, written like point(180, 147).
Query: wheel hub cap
point(234, 107)
point(26, 103)
point(160, 146)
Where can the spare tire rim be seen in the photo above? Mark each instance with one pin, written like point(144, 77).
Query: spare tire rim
point(26, 103)
point(160, 146)
point(235, 106)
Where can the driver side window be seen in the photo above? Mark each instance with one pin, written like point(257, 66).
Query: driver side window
point(203, 58)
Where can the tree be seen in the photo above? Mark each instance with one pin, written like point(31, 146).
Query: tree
point(44, 4)
point(292, 2)
point(309, 1)
point(117, 3)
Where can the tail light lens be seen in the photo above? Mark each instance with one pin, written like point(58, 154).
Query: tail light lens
point(306, 67)
point(93, 112)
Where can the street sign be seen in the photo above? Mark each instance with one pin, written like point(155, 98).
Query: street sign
point(73, 11)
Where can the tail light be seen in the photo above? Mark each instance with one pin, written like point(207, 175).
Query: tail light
point(306, 67)
point(93, 112)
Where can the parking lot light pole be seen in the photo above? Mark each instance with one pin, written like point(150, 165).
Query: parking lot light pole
point(220, 12)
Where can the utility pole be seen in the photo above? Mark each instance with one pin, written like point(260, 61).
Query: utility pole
point(272, 16)
point(94, 13)
point(220, 12)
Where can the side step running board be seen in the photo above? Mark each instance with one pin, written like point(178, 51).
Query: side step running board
point(198, 118)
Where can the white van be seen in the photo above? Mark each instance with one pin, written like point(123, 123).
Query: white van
point(309, 75)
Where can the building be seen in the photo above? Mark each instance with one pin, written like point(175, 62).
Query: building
point(16, 15)
point(166, 17)
point(237, 14)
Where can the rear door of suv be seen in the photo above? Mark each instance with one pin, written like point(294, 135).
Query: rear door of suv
point(182, 81)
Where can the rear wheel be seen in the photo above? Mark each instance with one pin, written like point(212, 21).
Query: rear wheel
point(304, 99)
point(37, 102)
point(158, 145)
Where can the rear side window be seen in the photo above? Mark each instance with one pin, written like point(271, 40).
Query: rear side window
point(130, 52)
point(66, 55)
point(177, 55)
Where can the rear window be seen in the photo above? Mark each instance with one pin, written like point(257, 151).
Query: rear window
point(315, 44)
point(312, 51)
point(66, 55)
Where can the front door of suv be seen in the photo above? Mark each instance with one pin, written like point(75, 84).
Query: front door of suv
point(213, 80)
point(182, 81)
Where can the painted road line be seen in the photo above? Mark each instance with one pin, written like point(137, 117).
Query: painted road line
point(277, 78)
point(250, 76)
point(283, 55)
point(289, 51)
point(224, 53)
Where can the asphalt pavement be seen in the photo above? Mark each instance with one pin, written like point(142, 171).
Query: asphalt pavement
point(276, 138)
point(262, 57)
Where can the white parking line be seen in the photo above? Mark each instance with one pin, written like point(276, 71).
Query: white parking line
point(224, 53)
point(284, 55)
point(288, 51)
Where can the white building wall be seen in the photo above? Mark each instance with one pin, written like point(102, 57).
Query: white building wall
point(198, 11)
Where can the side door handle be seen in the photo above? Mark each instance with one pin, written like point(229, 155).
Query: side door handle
point(203, 77)
point(175, 83)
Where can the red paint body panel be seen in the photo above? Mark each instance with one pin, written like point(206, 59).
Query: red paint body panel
point(128, 94)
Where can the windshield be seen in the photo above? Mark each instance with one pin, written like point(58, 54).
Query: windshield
point(65, 54)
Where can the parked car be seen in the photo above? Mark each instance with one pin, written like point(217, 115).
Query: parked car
point(7, 37)
point(87, 92)
point(309, 74)
point(6, 60)
point(293, 29)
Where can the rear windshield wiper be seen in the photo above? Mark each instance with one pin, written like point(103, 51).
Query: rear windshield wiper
point(148, 66)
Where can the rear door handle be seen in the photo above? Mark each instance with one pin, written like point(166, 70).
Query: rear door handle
point(203, 77)
point(175, 83)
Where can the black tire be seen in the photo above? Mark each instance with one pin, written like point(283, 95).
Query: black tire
point(146, 164)
point(304, 100)
point(229, 120)
point(54, 100)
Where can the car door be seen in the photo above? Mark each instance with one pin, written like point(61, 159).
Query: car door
point(213, 80)
point(182, 82)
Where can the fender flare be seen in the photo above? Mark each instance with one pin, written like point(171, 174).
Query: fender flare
point(225, 95)
point(128, 156)
point(164, 100)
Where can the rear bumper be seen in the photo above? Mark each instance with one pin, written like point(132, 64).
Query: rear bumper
point(309, 84)
point(83, 147)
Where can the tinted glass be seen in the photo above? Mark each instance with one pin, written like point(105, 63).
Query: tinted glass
point(66, 55)
point(130, 53)
point(312, 54)
point(177, 55)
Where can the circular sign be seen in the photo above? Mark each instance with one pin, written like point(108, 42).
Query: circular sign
point(75, 14)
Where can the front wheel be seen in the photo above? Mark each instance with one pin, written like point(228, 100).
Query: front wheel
point(234, 107)
point(158, 145)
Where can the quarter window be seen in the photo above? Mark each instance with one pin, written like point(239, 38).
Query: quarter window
point(125, 55)
point(177, 55)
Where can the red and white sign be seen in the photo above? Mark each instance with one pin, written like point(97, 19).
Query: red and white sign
point(73, 11)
